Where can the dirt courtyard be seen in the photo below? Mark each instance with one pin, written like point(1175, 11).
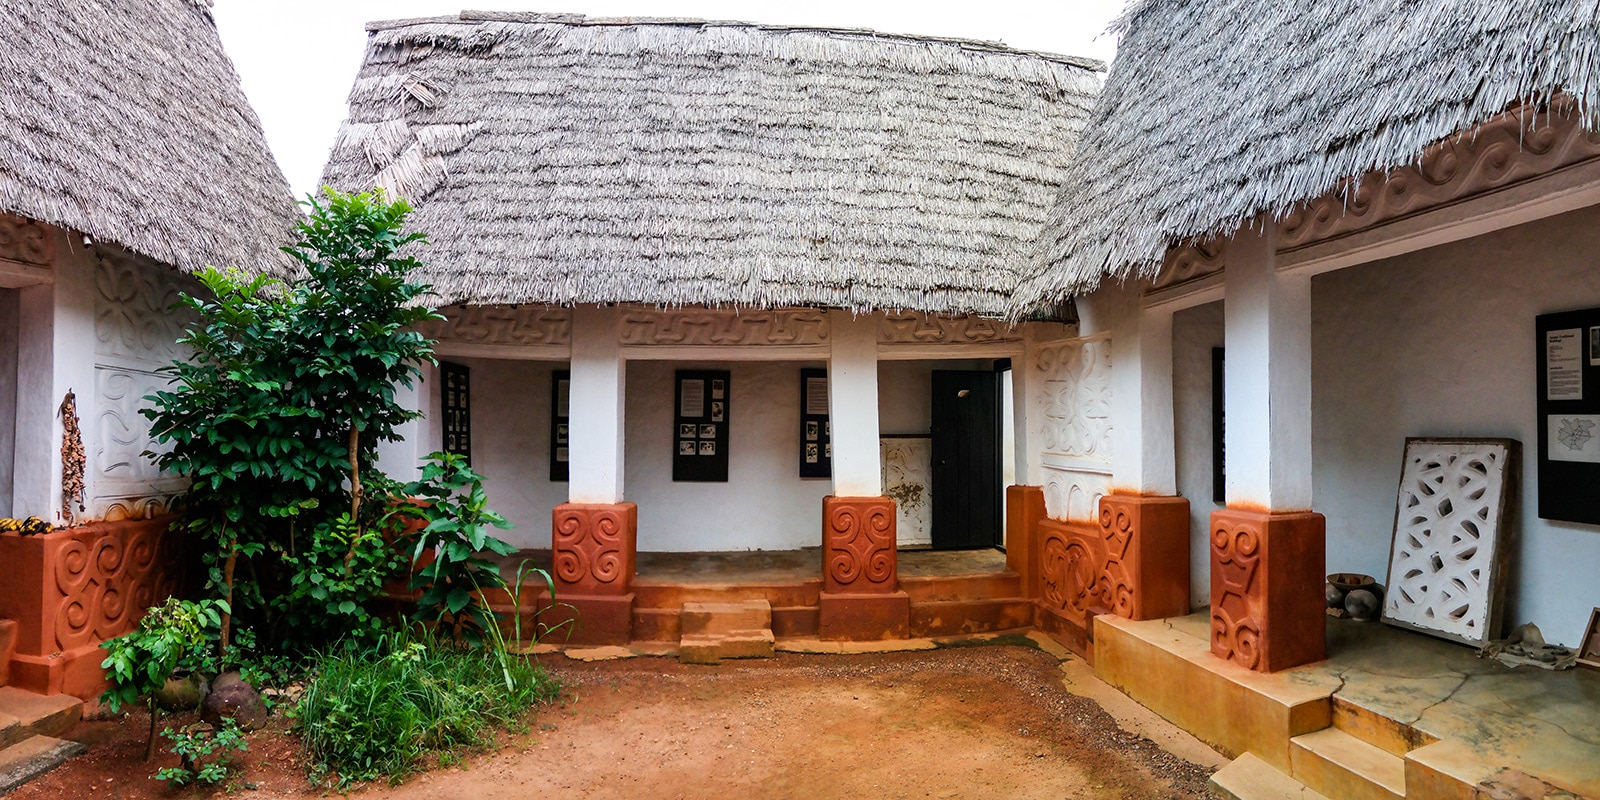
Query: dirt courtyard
point(991, 721)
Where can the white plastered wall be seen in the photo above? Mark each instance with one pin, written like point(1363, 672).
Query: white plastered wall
point(8, 393)
point(511, 444)
point(1440, 342)
point(1195, 331)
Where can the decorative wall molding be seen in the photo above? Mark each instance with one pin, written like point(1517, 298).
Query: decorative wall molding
point(1190, 262)
point(909, 327)
point(858, 543)
point(723, 327)
point(502, 325)
point(1069, 416)
point(1508, 149)
point(1236, 560)
point(908, 478)
point(1255, 622)
point(105, 575)
point(595, 548)
point(133, 311)
point(1071, 572)
point(24, 240)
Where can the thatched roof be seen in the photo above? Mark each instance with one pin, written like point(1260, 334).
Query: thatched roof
point(124, 120)
point(559, 159)
point(1217, 111)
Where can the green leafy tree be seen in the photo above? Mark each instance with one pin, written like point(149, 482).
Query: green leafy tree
point(174, 636)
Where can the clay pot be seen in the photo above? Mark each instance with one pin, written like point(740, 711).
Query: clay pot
point(1347, 581)
point(1334, 596)
point(183, 694)
point(1362, 605)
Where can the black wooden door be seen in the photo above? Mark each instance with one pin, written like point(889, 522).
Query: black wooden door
point(966, 459)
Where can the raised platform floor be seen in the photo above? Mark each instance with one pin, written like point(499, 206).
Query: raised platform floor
point(1390, 714)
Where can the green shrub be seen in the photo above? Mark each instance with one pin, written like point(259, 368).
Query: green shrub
point(176, 635)
point(374, 712)
point(456, 510)
point(203, 751)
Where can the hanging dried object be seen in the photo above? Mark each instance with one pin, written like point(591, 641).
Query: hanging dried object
point(72, 462)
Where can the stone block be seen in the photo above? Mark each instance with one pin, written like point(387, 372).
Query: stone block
point(858, 545)
point(1267, 577)
point(1146, 569)
point(594, 548)
point(863, 617)
point(602, 619)
point(711, 648)
point(710, 619)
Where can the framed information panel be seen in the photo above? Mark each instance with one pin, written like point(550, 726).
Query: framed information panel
point(560, 412)
point(700, 425)
point(456, 401)
point(816, 433)
point(1569, 415)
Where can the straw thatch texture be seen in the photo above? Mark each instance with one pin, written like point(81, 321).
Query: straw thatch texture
point(125, 121)
point(1217, 111)
point(557, 159)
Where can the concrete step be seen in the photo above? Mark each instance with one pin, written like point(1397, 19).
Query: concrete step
point(8, 648)
point(24, 714)
point(1338, 764)
point(1374, 728)
point(710, 619)
point(983, 586)
point(32, 757)
point(667, 595)
point(1250, 778)
point(959, 617)
point(711, 648)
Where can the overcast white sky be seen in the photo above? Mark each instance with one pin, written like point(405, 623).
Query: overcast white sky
point(297, 58)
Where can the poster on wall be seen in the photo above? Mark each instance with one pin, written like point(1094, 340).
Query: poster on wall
point(816, 432)
point(455, 388)
point(1568, 407)
point(560, 413)
point(700, 425)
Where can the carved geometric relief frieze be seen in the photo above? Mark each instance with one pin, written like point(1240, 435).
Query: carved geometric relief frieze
point(1448, 555)
point(908, 478)
point(858, 544)
point(134, 317)
point(1191, 261)
point(24, 240)
point(908, 327)
point(595, 547)
point(1520, 144)
point(105, 576)
point(721, 327)
point(1069, 415)
point(1236, 591)
point(1267, 571)
point(122, 437)
point(1071, 568)
point(509, 325)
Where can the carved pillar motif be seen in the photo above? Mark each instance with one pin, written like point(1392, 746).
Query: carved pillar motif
point(594, 551)
point(1267, 572)
point(858, 544)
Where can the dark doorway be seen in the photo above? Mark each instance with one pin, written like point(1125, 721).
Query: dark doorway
point(966, 459)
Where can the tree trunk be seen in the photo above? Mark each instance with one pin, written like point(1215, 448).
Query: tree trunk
point(227, 580)
point(150, 746)
point(355, 493)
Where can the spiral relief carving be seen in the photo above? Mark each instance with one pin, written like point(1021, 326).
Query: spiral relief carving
point(859, 542)
point(1235, 593)
point(594, 547)
point(105, 576)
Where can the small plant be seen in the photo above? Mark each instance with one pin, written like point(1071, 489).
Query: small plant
point(373, 712)
point(204, 752)
point(177, 635)
point(457, 533)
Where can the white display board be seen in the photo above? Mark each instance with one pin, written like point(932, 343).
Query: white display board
point(908, 478)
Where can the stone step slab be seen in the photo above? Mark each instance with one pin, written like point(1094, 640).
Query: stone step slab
point(710, 649)
point(1338, 764)
point(24, 714)
point(711, 619)
point(32, 757)
point(1250, 778)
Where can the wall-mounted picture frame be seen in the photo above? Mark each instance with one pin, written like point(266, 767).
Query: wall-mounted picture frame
point(816, 454)
point(560, 424)
point(702, 405)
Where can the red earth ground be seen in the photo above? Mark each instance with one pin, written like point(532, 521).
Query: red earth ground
point(991, 721)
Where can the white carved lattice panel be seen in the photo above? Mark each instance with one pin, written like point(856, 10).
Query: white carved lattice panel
point(1445, 563)
point(908, 478)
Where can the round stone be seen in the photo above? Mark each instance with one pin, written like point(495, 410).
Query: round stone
point(1334, 594)
point(1362, 605)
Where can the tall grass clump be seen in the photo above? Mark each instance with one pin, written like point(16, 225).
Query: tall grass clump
point(374, 712)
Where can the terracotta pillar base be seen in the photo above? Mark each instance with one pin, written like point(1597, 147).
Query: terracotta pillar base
point(858, 545)
point(1146, 572)
point(864, 617)
point(1267, 573)
point(594, 550)
point(1024, 512)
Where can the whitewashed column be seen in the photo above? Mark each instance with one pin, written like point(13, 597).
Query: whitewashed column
point(1143, 444)
point(596, 403)
point(853, 404)
point(1268, 379)
point(55, 354)
point(402, 460)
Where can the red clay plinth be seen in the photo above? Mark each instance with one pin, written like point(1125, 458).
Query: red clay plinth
point(8, 646)
point(1024, 512)
point(861, 598)
point(71, 589)
point(1267, 572)
point(594, 551)
point(1146, 569)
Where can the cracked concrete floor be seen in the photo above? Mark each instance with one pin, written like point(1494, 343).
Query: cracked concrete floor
point(1541, 722)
